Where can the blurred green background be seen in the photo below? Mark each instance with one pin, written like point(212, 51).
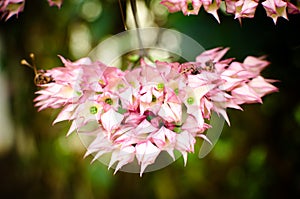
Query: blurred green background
point(256, 157)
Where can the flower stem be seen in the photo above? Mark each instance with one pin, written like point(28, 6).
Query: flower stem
point(142, 52)
point(122, 14)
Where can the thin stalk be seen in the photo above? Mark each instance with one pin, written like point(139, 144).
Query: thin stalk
point(122, 15)
point(142, 51)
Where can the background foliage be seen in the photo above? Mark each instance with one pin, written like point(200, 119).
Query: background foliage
point(256, 157)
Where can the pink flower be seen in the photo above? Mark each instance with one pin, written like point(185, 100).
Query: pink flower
point(230, 6)
point(192, 102)
point(189, 7)
point(123, 156)
point(146, 153)
point(191, 126)
point(245, 8)
point(151, 98)
point(165, 139)
point(171, 109)
point(66, 88)
point(245, 94)
point(240, 8)
point(212, 6)
point(81, 114)
point(172, 5)
point(100, 145)
point(9, 8)
point(275, 9)
point(292, 9)
point(108, 100)
point(255, 65)
point(145, 127)
point(137, 114)
point(111, 120)
point(229, 82)
point(185, 142)
point(262, 86)
point(55, 3)
point(214, 55)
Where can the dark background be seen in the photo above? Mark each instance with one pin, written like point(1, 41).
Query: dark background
point(256, 157)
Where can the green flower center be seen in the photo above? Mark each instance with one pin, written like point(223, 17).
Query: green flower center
point(120, 86)
point(160, 86)
point(177, 129)
point(132, 83)
point(78, 93)
point(108, 101)
point(154, 98)
point(149, 118)
point(190, 6)
point(93, 110)
point(190, 100)
point(101, 82)
point(176, 91)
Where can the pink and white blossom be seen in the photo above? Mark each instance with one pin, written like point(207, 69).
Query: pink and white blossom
point(9, 8)
point(211, 7)
point(55, 3)
point(154, 108)
point(239, 8)
point(275, 9)
point(245, 8)
point(191, 7)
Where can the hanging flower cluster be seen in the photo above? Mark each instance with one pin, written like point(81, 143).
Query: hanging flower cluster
point(9, 8)
point(156, 107)
point(240, 8)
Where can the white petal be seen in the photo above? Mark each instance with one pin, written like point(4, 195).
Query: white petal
point(146, 153)
point(111, 120)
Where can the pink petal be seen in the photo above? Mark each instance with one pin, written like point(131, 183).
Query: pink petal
point(213, 54)
point(191, 126)
point(146, 153)
point(101, 144)
point(212, 6)
point(172, 5)
point(163, 136)
point(111, 120)
point(245, 94)
point(261, 86)
point(275, 9)
point(292, 9)
point(185, 143)
point(245, 8)
point(144, 127)
point(170, 112)
point(123, 156)
point(196, 5)
point(55, 3)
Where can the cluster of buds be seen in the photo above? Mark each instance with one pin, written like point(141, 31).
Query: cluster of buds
point(155, 107)
point(240, 8)
point(9, 8)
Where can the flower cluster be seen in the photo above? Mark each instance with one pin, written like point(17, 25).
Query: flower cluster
point(240, 8)
point(156, 107)
point(9, 8)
